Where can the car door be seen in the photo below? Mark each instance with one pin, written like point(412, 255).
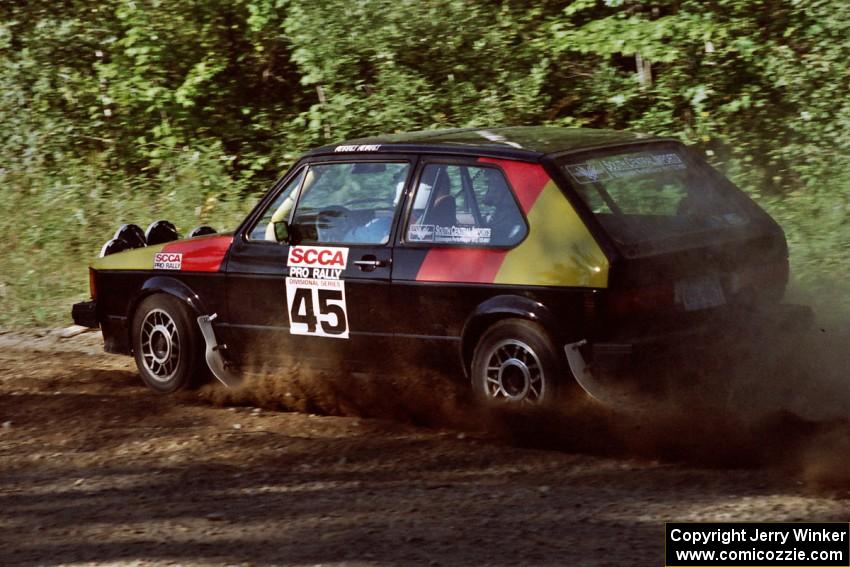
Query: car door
point(461, 221)
point(322, 294)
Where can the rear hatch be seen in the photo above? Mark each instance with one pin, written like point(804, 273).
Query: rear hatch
point(688, 245)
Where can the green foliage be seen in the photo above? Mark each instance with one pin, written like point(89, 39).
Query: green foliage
point(759, 81)
point(817, 223)
point(393, 65)
point(130, 110)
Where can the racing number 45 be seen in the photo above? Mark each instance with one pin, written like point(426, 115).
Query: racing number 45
point(317, 307)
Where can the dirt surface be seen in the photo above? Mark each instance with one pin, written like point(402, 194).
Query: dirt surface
point(96, 470)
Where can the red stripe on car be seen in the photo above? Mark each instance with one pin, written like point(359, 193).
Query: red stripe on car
point(527, 179)
point(463, 265)
point(201, 254)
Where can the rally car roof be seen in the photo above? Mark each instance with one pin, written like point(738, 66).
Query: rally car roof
point(522, 142)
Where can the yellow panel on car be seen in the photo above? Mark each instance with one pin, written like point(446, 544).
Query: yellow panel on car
point(559, 249)
point(136, 259)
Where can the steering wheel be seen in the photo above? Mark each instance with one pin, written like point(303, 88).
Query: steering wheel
point(367, 200)
point(331, 222)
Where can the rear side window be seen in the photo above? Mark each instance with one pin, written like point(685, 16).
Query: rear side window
point(464, 205)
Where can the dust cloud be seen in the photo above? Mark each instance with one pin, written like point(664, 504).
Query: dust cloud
point(779, 399)
point(417, 398)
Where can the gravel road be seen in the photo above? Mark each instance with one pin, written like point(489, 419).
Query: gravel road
point(96, 470)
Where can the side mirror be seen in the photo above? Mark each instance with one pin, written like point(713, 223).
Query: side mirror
point(281, 231)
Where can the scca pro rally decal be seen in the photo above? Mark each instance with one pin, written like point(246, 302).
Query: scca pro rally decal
point(315, 294)
point(167, 261)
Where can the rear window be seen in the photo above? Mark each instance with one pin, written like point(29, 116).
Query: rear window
point(659, 198)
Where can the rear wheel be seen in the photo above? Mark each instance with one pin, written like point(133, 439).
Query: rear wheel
point(516, 364)
point(166, 345)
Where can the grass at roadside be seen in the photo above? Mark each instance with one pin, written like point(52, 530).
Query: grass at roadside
point(817, 226)
point(54, 225)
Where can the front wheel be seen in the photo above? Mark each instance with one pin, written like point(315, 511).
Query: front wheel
point(516, 364)
point(165, 343)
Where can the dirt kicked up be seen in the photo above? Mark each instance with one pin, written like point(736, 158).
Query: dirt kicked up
point(96, 470)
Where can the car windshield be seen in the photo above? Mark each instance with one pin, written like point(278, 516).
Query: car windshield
point(659, 198)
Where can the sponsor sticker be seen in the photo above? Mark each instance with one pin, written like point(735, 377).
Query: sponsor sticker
point(167, 261)
point(315, 294)
point(624, 166)
point(421, 233)
point(462, 234)
point(318, 258)
point(588, 173)
point(358, 148)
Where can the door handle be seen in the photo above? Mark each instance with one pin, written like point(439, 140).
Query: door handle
point(369, 263)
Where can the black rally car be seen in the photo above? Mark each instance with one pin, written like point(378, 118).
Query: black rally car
point(526, 259)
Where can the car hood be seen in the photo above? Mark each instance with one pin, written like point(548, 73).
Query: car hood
point(199, 254)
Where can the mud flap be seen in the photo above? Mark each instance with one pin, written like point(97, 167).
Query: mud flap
point(584, 377)
point(213, 356)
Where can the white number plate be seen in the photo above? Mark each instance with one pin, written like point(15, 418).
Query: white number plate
point(700, 293)
point(315, 294)
point(317, 307)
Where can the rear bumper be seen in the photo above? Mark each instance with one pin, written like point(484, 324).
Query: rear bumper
point(727, 329)
point(114, 329)
point(593, 363)
point(85, 314)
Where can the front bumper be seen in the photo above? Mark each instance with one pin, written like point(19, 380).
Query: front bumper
point(85, 314)
point(595, 364)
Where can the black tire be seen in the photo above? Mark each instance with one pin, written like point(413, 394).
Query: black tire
point(516, 364)
point(167, 345)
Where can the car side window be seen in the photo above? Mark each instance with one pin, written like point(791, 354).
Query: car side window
point(464, 204)
point(280, 209)
point(349, 203)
